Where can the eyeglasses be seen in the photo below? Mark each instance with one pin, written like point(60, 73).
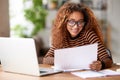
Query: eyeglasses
point(72, 23)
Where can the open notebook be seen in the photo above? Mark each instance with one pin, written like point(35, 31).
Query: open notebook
point(18, 55)
point(92, 74)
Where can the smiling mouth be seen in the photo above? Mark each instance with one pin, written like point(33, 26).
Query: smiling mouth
point(75, 31)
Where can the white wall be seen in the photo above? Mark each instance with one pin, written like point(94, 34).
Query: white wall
point(114, 21)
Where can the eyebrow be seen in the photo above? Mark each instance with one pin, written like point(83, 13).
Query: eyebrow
point(78, 20)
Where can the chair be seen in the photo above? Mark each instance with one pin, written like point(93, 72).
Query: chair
point(109, 53)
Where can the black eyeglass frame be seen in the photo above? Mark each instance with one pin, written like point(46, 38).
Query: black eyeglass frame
point(78, 23)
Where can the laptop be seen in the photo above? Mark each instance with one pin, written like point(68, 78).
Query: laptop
point(18, 55)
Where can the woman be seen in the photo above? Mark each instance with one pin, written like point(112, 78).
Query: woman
point(75, 25)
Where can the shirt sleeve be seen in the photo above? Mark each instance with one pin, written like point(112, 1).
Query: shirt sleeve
point(49, 57)
point(102, 53)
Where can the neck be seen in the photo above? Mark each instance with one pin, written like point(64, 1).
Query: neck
point(74, 36)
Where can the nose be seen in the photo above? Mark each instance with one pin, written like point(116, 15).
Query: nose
point(75, 26)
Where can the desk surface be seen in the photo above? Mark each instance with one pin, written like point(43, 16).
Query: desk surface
point(59, 76)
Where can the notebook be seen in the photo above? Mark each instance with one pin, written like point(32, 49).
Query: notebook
point(18, 55)
point(92, 74)
point(75, 58)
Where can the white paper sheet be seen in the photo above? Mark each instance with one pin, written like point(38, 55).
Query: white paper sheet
point(91, 74)
point(118, 70)
point(108, 72)
point(88, 74)
point(76, 57)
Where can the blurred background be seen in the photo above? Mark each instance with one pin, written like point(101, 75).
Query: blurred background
point(34, 18)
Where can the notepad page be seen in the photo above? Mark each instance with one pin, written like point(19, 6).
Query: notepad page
point(91, 74)
point(109, 72)
point(88, 74)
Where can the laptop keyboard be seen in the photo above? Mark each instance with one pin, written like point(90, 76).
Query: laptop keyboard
point(44, 70)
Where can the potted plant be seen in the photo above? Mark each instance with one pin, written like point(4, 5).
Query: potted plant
point(37, 15)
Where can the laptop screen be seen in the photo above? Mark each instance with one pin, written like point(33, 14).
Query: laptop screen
point(18, 55)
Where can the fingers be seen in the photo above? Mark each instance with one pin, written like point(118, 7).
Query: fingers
point(96, 66)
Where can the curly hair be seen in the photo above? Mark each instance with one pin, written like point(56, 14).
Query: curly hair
point(59, 30)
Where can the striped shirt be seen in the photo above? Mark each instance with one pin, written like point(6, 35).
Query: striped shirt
point(84, 38)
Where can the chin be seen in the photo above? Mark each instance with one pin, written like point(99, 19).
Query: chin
point(74, 35)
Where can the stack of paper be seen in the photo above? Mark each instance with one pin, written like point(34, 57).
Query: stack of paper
point(91, 74)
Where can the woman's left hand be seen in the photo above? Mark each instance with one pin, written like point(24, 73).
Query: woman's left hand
point(96, 65)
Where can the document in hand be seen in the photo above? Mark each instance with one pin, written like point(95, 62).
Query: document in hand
point(118, 70)
point(91, 74)
point(76, 57)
